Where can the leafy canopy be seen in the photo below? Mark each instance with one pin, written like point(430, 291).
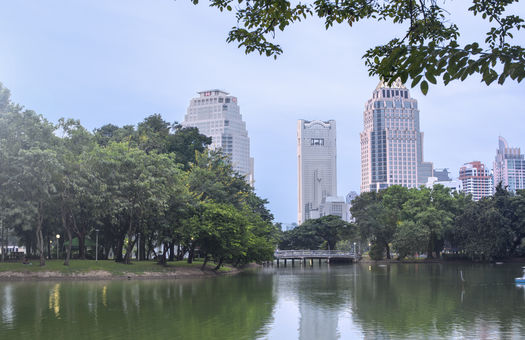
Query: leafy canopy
point(429, 47)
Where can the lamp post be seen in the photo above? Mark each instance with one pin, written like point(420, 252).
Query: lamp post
point(96, 246)
point(58, 238)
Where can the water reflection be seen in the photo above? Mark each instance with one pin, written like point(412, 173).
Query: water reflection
point(336, 302)
point(221, 308)
point(7, 306)
point(403, 301)
point(54, 300)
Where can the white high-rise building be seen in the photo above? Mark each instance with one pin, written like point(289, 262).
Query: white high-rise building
point(216, 114)
point(476, 180)
point(391, 142)
point(316, 165)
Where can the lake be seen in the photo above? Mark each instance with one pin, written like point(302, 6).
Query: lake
point(398, 301)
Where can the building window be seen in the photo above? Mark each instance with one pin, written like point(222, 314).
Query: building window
point(317, 141)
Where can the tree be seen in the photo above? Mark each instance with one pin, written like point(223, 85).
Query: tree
point(410, 238)
point(185, 143)
point(221, 232)
point(378, 215)
point(483, 232)
point(323, 232)
point(34, 187)
point(77, 200)
point(432, 211)
point(28, 171)
point(429, 47)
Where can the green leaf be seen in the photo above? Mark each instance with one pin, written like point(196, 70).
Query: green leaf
point(424, 87)
point(430, 77)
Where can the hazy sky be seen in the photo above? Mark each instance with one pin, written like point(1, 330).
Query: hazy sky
point(119, 61)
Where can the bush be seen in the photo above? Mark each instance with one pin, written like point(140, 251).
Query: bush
point(377, 252)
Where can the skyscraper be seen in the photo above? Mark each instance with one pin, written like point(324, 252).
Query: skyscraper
point(391, 143)
point(316, 165)
point(476, 180)
point(216, 114)
point(509, 167)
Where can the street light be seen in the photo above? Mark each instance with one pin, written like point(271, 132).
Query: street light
point(96, 247)
point(58, 238)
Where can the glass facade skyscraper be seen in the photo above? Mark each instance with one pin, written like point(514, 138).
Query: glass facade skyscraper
point(509, 167)
point(217, 115)
point(391, 142)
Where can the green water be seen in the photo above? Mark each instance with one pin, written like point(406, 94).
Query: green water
point(417, 301)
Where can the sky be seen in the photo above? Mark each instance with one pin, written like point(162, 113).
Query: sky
point(120, 61)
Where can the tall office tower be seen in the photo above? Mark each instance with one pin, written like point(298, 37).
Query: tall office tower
point(391, 143)
point(316, 165)
point(509, 167)
point(216, 114)
point(476, 180)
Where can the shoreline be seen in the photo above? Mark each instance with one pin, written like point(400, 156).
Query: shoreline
point(432, 261)
point(94, 275)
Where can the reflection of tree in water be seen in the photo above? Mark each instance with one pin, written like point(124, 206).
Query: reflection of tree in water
point(221, 308)
point(430, 300)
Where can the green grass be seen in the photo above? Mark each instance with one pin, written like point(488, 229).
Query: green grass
point(80, 266)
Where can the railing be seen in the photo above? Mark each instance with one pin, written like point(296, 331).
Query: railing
point(313, 253)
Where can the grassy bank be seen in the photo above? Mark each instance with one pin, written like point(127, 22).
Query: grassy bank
point(107, 269)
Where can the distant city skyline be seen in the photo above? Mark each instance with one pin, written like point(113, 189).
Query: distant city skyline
point(121, 61)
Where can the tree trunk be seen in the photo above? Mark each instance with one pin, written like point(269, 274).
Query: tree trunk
point(191, 254)
point(430, 249)
point(82, 245)
point(131, 232)
point(180, 255)
point(68, 231)
point(387, 247)
point(219, 264)
point(39, 236)
point(181, 251)
point(205, 261)
point(129, 251)
point(2, 244)
point(118, 249)
point(142, 248)
point(162, 259)
point(68, 249)
point(172, 251)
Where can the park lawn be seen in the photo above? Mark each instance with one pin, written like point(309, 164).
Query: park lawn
point(84, 266)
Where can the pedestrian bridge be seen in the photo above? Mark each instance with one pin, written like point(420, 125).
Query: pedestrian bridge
point(310, 255)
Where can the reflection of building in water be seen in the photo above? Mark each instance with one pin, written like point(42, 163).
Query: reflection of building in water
point(317, 323)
